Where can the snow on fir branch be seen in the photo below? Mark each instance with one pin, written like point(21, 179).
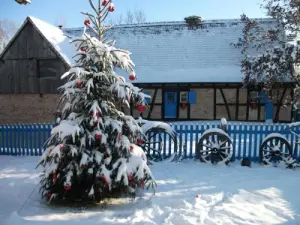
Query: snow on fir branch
point(92, 152)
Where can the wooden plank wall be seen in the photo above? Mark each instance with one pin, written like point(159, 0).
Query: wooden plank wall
point(19, 72)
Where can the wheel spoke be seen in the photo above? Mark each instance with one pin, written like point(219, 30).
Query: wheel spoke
point(205, 145)
point(211, 143)
point(222, 143)
point(268, 155)
point(203, 151)
point(225, 148)
point(265, 150)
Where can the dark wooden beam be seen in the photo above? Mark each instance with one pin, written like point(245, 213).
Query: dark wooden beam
point(226, 104)
point(163, 102)
point(237, 98)
point(215, 103)
point(279, 105)
point(189, 106)
point(247, 110)
point(258, 111)
point(292, 99)
point(152, 103)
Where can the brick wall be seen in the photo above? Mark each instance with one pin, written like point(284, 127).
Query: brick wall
point(27, 108)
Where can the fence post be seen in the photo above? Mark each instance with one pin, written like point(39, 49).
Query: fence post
point(251, 149)
point(191, 138)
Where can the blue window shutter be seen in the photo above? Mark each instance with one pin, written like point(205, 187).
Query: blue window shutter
point(192, 97)
point(147, 100)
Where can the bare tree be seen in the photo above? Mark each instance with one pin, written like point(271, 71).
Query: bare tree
point(120, 19)
point(139, 16)
point(129, 17)
point(7, 30)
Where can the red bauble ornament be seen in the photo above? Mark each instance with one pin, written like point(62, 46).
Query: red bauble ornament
point(131, 77)
point(98, 136)
point(54, 177)
point(79, 83)
point(140, 108)
point(87, 22)
point(131, 147)
point(104, 179)
point(104, 3)
point(111, 7)
point(61, 147)
point(68, 187)
point(142, 184)
point(83, 49)
point(140, 141)
point(49, 195)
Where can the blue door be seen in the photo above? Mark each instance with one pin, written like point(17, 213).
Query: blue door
point(170, 105)
point(269, 111)
point(269, 107)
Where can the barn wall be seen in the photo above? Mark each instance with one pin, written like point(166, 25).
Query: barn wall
point(20, 71)
point(27, 108)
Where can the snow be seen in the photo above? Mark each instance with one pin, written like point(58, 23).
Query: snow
point(59, 41)
point(188, 192)
point(147, 125)
point(168, 52)
point(216, 130)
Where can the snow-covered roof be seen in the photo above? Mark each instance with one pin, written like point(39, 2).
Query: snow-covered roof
point(170, 52)
point(59, 41)
point(55, 36)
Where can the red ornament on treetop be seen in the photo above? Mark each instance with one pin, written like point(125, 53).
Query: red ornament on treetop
point(104, 3)
point(132, 77)
point(111, 7)
point(87, 22)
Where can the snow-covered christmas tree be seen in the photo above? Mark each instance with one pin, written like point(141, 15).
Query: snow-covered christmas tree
point(92, 152)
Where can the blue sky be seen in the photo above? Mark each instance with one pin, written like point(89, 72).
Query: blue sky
point(52, 11)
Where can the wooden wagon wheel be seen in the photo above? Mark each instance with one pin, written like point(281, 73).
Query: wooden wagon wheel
point(215, 146)
point(275, 149)
point(154, 143)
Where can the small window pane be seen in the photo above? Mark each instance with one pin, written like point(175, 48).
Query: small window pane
point(48, 68)
point(171, 98)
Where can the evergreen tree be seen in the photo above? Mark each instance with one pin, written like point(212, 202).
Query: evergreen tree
point(278, 59)
point(91, 154)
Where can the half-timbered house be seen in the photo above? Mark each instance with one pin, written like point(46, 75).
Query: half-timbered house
point(192, 73)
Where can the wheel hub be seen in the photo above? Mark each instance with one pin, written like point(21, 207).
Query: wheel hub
point(214, 150)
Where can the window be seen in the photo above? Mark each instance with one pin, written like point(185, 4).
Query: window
point(184, 97)
point(171, 97)
point(48, 68)
point(253, 96)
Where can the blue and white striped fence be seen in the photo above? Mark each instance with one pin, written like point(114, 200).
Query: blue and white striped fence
point(28, 139)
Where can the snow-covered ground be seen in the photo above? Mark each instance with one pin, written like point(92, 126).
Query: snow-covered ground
point(188, 193)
